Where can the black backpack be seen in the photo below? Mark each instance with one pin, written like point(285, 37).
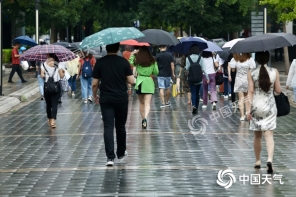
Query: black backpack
point(51, 86)
point(195, 71)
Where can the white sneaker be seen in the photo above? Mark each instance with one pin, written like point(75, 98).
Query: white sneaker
point(225, 97)
point(85, 101)
point(90, 99)
point(124, 156)
point(204, 106)
point(242, 118)
point(229, 95)
point(214, 106)
point(110, 162)
point(200, 100)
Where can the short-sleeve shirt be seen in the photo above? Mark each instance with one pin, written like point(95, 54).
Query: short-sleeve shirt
point(112, 71)
point(164, 60)
point(51, 72)
point(92, 62)
point(15, 60)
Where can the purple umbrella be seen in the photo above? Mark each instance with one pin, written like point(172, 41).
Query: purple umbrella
point(39, 53)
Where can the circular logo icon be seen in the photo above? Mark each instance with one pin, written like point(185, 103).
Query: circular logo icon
point(230, 175)
point(197, 125)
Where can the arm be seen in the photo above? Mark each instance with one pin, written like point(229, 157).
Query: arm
point(229, 72)
point(61, 73)
point(95, 87)
point(277, 84)
point(79, 69)
point(173, 69)
point(155, 69)
point(42, 73)
point(250, 95)
point(203, 67)
point(130, 79)
point(132, 59)
point(291, 74)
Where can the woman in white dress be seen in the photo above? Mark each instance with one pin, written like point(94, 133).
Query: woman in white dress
point(263, 82)
point(242, 63)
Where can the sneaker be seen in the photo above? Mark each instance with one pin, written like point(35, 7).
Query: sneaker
point(200, 100)
point(73, 94)
point(233, 105)
point(24, 81)
point(168, 104)
point(225, 97)
point(214, 106)
point(90, 99)
point(162, 106)
point(229, 95)
point(110, 162)
point(204, 107)
point(242, 118)
point(42, 97)
point(194, 110)
point(124, 156)
point(85, 101)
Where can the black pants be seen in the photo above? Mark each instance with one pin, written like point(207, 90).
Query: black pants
point(233, 75)
point(16, 68)
point(52, 101)
point(280, 51)
point(114, 112)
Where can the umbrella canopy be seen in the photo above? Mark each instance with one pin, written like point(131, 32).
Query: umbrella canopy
point(25, 40)
point(67, 45)
point(212, 47)
point(232, 42)
point(134, 43)
point(110, 36)
point(187, 42)
point(264, 42)
point(224, 54)
point(39, 53)
point(158, 37)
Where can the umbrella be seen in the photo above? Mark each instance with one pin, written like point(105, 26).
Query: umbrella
point(158, 37)
point(25, 40)
point(67, 45)
point(134, 43)
point(212, 47)
point(224, 54)
point(39, 53)
point(110, 36)
point(200, 42)
point(230, 43)
point(264, 42)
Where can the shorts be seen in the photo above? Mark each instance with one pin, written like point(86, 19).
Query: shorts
point(164, 82)
point(139, 90)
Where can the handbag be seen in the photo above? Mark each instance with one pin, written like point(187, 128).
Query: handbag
point(174, 90)
point(282, 104)
point(219, 76)
point(64, 85)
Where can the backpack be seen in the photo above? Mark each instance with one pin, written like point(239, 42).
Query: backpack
point(195, 71)
point(86, 69)
point(51, 86)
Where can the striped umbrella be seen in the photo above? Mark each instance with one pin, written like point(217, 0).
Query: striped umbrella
point(39, 53)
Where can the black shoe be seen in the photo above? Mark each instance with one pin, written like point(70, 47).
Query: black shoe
point(24, 81)
point(60, 101)
point(269, 168)
point(42, 97)
point(10, 82)
point(194, 110)
point(110, 162)
point(144, 123)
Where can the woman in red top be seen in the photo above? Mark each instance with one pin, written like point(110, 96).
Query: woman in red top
point(16, 64)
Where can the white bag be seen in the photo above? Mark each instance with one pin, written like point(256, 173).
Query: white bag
point(67, 75)
point(25, 65)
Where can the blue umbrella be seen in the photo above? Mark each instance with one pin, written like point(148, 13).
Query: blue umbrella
point(212, 47)
point(187, 42)
point(25, 40)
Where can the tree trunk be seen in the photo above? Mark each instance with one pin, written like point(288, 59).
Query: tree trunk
point(286, 54)
point(53, 34)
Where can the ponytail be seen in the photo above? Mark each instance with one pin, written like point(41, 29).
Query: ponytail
point(264, 80)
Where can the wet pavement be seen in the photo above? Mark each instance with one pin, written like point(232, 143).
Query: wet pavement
point(178, 155)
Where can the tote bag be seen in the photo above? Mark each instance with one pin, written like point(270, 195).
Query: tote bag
point(282, 104)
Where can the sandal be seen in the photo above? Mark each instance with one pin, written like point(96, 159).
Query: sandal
point(53, 125)
point(257, 164)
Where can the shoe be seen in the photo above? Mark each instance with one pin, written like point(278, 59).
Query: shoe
point(49, 123)
point(73, 94)
point(24, 81)
point(60, 100)
point(233, 105)
point(168, 104)
point(225, 97)
point(242, 118)
point(200, 100)
point(194, 110)
point(257, 165)
point(10, 82)
point(53, 125)
point(204, 107)
point(42, 97)
point(90, 99)
point(229, 95)
point(144, 123)
point(124, 156)
point(269, 168)
point(214, 106)
point(162, 106)
point(85, 101)
point(110, 162)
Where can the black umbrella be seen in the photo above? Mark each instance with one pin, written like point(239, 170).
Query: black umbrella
point(224, 54)
point(158, 37)
point(264, 42)
point(67, 45)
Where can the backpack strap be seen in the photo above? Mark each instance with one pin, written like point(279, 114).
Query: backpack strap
point(190, 60)
point(48, 72)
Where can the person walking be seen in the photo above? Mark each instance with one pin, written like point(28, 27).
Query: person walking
point(242, 63)
point(72, 68)
point(291, 80)
point(186, 87)
point(178, 71)
point(231, 78)
point(111, 73)
point(196, 72)
point(86, 66)
point(40, 79)
point(210, 70)
point(226, 73)
point(50, 70)
point(262, 113)
point(146, 66)
point(165, 62)
point(16, 64)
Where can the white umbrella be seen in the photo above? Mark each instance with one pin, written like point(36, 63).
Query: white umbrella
point(230, 43)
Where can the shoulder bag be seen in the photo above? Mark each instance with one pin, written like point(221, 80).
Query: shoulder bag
point(282, 104)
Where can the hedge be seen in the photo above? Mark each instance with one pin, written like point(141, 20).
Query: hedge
point(6, 55)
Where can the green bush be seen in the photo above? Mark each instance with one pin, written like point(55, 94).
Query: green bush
point(6, 55)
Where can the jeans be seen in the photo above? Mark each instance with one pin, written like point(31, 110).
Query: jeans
point(194, 89)
point(233, 75)
point(227, 87)
point(52, 101)
point(16, 68)
point(86, 89)
point(114, 112)
point(294, 89)
point(211, 86)
point(72, 83)
point(201, 91)
point(41, 84)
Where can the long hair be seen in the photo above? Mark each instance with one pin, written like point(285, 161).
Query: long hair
point(144, 57)
point(264, 80)
point(207, 54)
point(236, 57)
point(244, 57)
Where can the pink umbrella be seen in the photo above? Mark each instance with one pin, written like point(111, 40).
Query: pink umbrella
point(134, 43)
point(39, 53)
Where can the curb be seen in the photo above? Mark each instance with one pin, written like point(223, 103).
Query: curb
point(7, 103)
point(26, 92)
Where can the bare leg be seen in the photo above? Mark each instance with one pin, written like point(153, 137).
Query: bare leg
point(161, 94)
point(167, 95)
point(269, 144)
point(241, 103)
point(189, 97)
point(246, 101)
point(147, 101)
point(141, 105)
point(257, 145)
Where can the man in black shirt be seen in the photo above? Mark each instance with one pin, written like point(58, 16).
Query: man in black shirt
point(111, 73)
point(165, 62)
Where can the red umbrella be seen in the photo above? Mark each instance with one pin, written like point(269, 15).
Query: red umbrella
point(134, 43)
point(143, 44)
point(39, 53)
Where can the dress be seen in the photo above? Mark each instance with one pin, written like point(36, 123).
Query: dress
point(241, 79)
point(263, 108)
